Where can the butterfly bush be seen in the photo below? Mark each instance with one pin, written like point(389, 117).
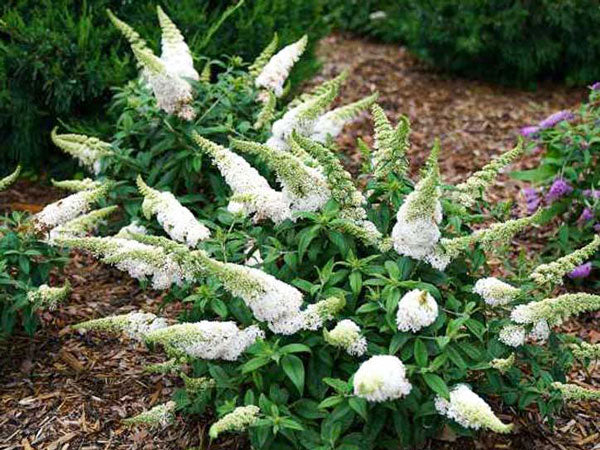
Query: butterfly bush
point(568, 182)
point(369, 305)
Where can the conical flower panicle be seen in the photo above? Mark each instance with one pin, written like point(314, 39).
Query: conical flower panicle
point(340, 182)
point(576, 393)
point(502, 365)
point(89, 151)
point(176, 54)
point(239, 419)
point(469, 410)
point(173, 94)
point(128, 32)
point(135, 324)
point(553, 273)
point(76, 185)
point(391, 145)
point(160, 416)
point(305, 187)
point(269, 299)
point(362, 229)
point(381, 378)
point(177, 221)
point(495, 292)
point(48, 297)
point(512, 335)
point(584, 350)
point(261, 61)
point(330, 124)
point(267, 112)
point(68, 208)
point(275, 72)
point(496, 234)
point(205, 339)
point(416, 231)
point(139, 260)
point(346, 335)
point(251, 192)
point(555, 310)
point(10, 179)
point(334, 84)
point(301, 119)
point(81, 225)
point(417, 309)
point(316, 314)
point(468, 192)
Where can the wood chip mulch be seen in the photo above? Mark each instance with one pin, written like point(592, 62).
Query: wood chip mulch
point(62, 390)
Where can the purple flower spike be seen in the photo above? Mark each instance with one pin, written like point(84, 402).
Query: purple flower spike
point(532, 199)
point(595, 86)
point(586, 215)
point(591, 193)
point(582, 271)
point(529, 131)
point(556, 118)
point(558, 189)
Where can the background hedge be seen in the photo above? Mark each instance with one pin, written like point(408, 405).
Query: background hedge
point(509, 41)
point(60, 58)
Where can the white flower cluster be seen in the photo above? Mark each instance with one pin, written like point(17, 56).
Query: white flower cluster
point(512, 335)
point(206, 339)
point(175, 55)
point(176, 220)
point(555, 310)
point(251, 191)
point(346, 334)
point(173, 94)
point(89, 151)
point(135, 324)
point(68, 208)
point(276, 71)
point(48, 297)
point(503, 364)
point(576, 393)
point(381, 378)
point(159, 416)
point(416, 232)
point(305, 187)
point(495, 292)
point(540, 331)
point(238, 420)
point(469, 410)
point(81, 225)
point(318, 313)
point(133, 228)
point(138, 259)
point(270, 299)
point(417, 309)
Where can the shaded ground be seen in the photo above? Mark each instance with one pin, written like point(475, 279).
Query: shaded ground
point(61, 390)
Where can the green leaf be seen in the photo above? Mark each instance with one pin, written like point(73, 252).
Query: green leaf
point(295, 348)
point(294, 369)
point(255, 363)
point(360, 406)
point(437, 385)
point(331, 401)
point(421, 354)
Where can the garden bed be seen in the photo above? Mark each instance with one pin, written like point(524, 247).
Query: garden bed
point(63, 390)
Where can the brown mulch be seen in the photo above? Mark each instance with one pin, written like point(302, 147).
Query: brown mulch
point(63, 390)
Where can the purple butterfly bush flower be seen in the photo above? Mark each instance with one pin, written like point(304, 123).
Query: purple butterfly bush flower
point(532, 199)
point(593, 193)
point(595, 86)
point(586, 215)
point(559, 189)
point(597, 228)
point(556, 118)
point(529, 131)
point(582, 271)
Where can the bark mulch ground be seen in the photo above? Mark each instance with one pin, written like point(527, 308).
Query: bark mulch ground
point(61, 390)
